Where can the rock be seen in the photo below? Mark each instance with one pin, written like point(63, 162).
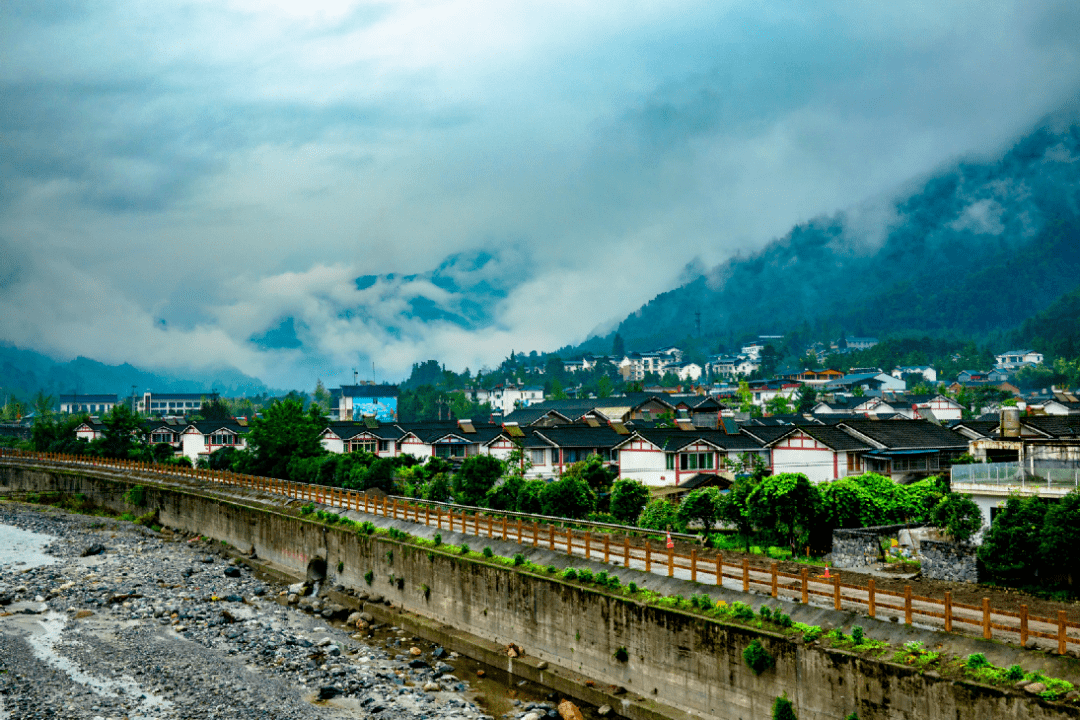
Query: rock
point(1035, 688)
point(353, 619)
point(84, 614)
point(431, 686)
point(438, 653)
point(513, 650)
point(232, 572)
point(1072, 695)
point(327, 692)
point(293, 598)
point(415, 651)
point(1030, 644)
point(444, 669)
point(480, 673)
point(1021, 684)
point(367, 617)
point(208, 559)
point(532, 716)
point(296, 589)
point(91, 550)
point(324, 642)
point(542, 665)
point(603, 710)
point(419, 663)
point(333, 650)
point(569, 711)
point(932, 674)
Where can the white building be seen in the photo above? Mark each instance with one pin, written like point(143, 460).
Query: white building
point(929, 374)
point(92, 404)
point(1016, 359)
point(508, 397)
point(172, 404)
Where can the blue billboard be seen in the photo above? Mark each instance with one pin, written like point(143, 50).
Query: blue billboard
point(383, 408)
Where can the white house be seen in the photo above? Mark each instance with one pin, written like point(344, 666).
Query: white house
point(687, 371)
point(929, 374)
point(1016, 359)
point(508, 397)
point(172, 404)
point(822, 453)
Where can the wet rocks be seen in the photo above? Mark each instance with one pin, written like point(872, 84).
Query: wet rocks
point(91, 550)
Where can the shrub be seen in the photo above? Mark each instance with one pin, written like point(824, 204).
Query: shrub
point(782, 709)
point(765, 612)
point(659, 515)
point(136, 496)
point(369, 576)
point(340, 565)
point(489, 553)
point(1015, 673)
point(437, 539)
point(757, 658)
point(975, 661)
point(569, 574)
point(464, 548)
point(585, 576)
point(622, 654)
point(632, 587)
point(519, 559)
point(628, 499)
point(551, 569)
point(307, 509)
point(958, 516)
point(782, 620)
point(742, 611)
point(701, 602)
point(856, 634)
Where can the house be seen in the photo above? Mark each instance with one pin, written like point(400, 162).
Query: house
point(765, 390)
point(505, 398)
point(731, 365)
point(91, 404)
point(453, 440)
point(686, 371)
point(355, 402)
point(906, 449)
point(1013, 360)
point(200, 439)
point(536, 415)
point(928, 373)
point(817, 377)
point(972, 376)
point(369, 436)
point(172, 404)
point(568, 444)
point(870, 383)
point(820, 452)
point(667, 458)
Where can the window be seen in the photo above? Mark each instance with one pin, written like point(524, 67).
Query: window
point(450, 451)
point(363, 445)
point(696, 461)
point(536, 457)
point(384, 446)
point(669, 461)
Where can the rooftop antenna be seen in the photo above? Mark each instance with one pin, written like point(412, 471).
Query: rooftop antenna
point(354, 374)
point(372, 372)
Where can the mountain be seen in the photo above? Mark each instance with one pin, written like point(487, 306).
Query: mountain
point(977, 248)
point(24, 372)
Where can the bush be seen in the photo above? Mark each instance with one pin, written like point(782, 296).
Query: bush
point(437, 539)
point(488, 553)
point(958, 516)
point(369, 576)
point(622, 654)
point(136, 496)
point(569, 574)
point(464, 549)
point(782, 709)
point(659, 515)
point(529, 497)
point(307, 509)
point(585, 576)
point(757, 658)
point(475, 477)
point(1015, 673)
point(519, 559)
point(568, 497)
point(857, 634)
point(975, 661)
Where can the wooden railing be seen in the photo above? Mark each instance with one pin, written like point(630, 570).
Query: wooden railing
point(548, 533)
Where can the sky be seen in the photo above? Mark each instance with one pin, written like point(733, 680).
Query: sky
point(299, 187)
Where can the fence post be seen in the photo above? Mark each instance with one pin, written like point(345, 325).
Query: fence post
point(745, 575)
point(536, 534)
point(1023, 625)
point(438, 517)
point(504, 528)
point(772, 570)
point(1061, 632)
point(804, 575)
point(490, 523)
point(519, 531)
point(588, 545)
point(693, 564)
point(986, 618)
point(719, 569)
point(671, 562)
point(607, 548)
point(626, 551)
point(907, 604)
point(948, 611)
point(551, 529)
point(870, 592)
point(648, 556)
point(836, 591)
point(427, 515)
point(569, 541)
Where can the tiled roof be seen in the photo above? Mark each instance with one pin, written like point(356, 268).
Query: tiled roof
point(907, 434)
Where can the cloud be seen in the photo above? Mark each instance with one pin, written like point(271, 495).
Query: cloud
point(204, 184)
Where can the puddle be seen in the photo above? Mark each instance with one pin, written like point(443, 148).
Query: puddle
point(44, 645)
point(21, 550)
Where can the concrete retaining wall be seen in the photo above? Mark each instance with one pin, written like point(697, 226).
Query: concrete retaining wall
point(679, 666)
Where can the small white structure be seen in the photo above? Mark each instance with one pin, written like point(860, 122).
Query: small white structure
point(93, 404)
point(1016, 359)
point(929, 374)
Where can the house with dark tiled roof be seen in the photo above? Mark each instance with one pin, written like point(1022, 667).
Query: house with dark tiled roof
point(663, 457)
point(820, 452)
point(907, 449)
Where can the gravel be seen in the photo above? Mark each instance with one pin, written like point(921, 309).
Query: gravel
point(151, 626)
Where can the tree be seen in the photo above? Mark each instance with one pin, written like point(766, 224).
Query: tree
point(958, 516)
point(1010, 547)
point(557, 392)
point(628, 499)
point(216, 410)
point(701, 506)
point(530, 497)
point(604, 387)
point(734, 506)
point(284, 432)
point(43, 407)
point(807, 399)
point(786, 504)
point(778, 405)
point(618, 347)
point(123, 435)
point(746, 398)
point(659, 514)
point(321, 396)
point(1060, 545)
point(475, 477)
point(569, 497)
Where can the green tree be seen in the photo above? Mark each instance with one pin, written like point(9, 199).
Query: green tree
point(216, 410)
point(958, 516)
point(283, 433)
point(1060, 544)
point(321, 396)
point(618, 347)
point(785, 504)
point(124, 435)
point(1010, 547)
point(475, 477)
point(701, 506)
point(530, 497)
point(439, 489)
point(628, 499)
point(807, 399)
point(557, 392)
point(604, 387)
point(778, 405)
point(734, 505)
point(569, 496)
point(659, 514)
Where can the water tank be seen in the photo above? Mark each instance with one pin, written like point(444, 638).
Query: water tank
point(1010, 422)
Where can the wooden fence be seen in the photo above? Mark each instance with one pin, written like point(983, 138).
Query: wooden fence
point(702, 567)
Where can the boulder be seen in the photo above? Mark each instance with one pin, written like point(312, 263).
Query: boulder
point(95, 549)
point(1035, 688)
point(569, 711)
point(603, 710)
point(232, 572)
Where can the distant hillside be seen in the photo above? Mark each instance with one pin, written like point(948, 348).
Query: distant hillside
point(23, 373)
point(977, 248)
point(1056, 330)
